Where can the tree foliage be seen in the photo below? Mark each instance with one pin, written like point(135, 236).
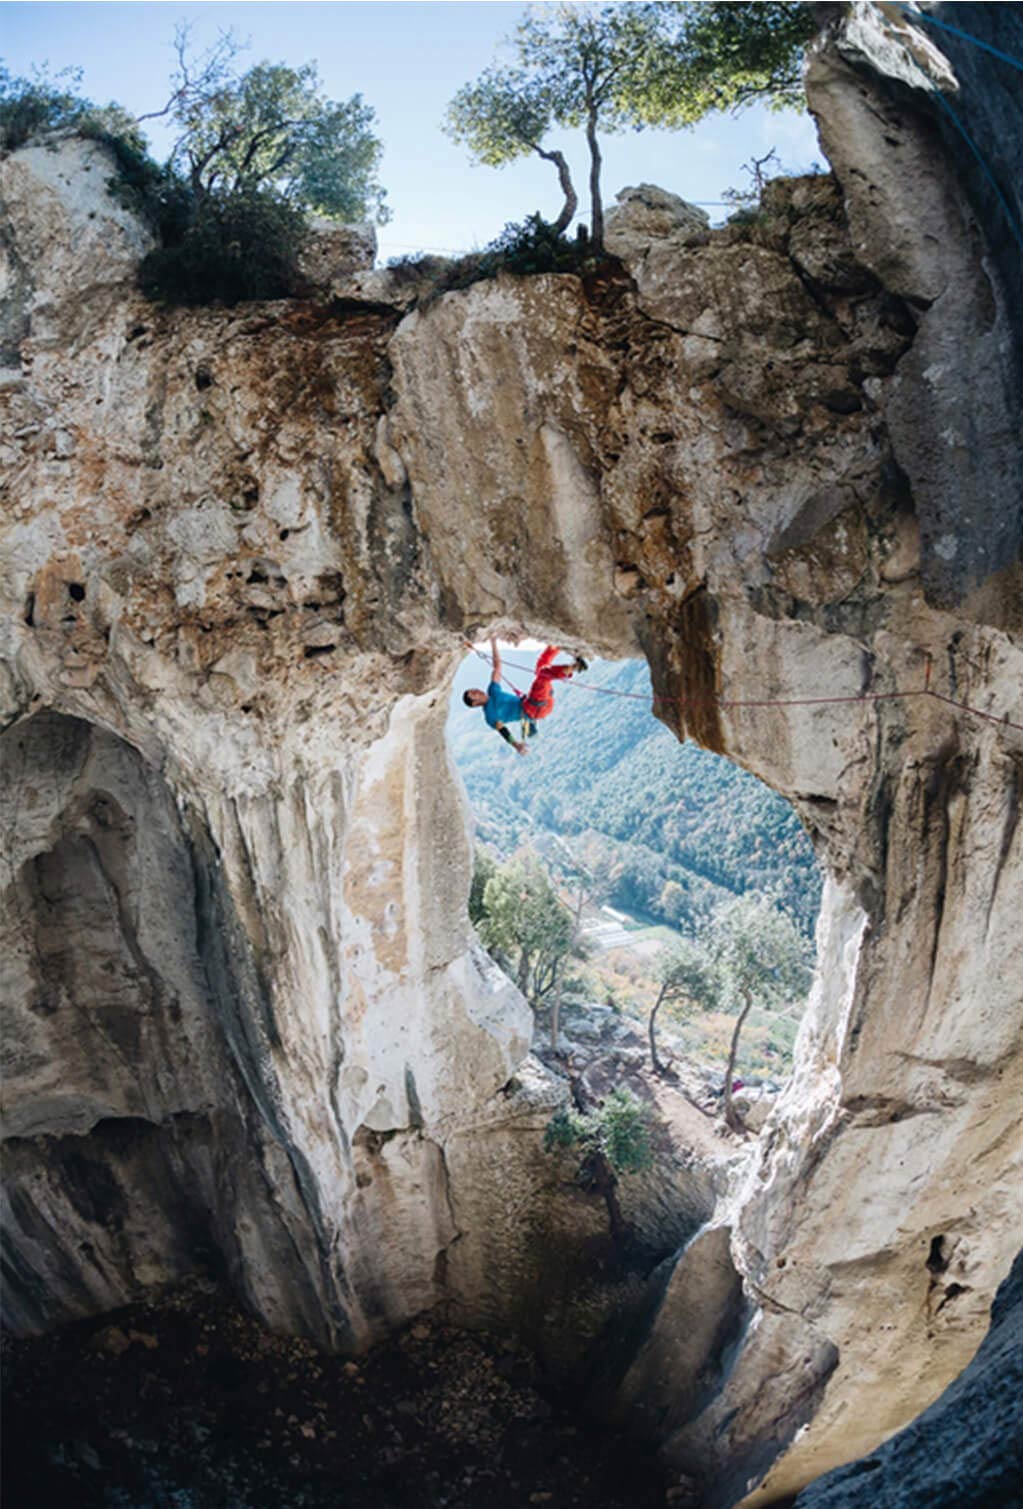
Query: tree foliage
point(271, 131)
point(686, 971)
point(752, 954)
point(41, 104)
point(613, 67)
point(256, 153)
point(760, 959)
point(504, 115)
point(724, 55)
point(576, 65)
point(619, 1128)
point(484, 868)
point(524, 923)
point(686, 975)
point(612, 1139)
point(757, 950)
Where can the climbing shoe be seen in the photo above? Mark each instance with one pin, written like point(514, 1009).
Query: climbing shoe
point(581, 664)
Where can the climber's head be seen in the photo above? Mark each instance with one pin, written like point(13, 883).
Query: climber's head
point(474, 697)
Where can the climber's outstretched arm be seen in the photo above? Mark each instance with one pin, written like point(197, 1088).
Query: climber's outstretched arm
point(495, 658)
point(506, 735)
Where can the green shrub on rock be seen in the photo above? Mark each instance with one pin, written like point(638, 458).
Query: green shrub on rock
point(619, 1128)
point(523, 249)
point(231, 248)
point(612, 1139)
point(534, 246)
point(40, 105)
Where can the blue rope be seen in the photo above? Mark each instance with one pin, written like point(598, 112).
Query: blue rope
point(918, 15)
point(943, 102)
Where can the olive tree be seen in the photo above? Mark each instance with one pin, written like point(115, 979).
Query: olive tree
point(576, 66)
point(686, 973)
point(254, 154)
point(725, 55)
point(272, 130)
point(751, 954)
point(610, 68)
point(506, 115)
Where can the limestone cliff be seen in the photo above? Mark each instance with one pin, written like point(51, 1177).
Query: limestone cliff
point(249, 1029)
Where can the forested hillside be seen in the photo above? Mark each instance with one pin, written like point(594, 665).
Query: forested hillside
point(671, 829)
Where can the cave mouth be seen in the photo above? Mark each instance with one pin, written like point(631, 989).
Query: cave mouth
point(648, 842)
point(134, 1169)
point(168, 970)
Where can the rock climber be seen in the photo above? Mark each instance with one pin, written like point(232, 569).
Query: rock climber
point(501, 707)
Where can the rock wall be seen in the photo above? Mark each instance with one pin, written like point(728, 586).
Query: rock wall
point(966, 1451)
point(248, 1026)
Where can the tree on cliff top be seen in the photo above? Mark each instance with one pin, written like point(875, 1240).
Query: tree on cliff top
point(272, 130)
point(609, 68)
point(505, 115)
point(255, 153)
point(576, 66)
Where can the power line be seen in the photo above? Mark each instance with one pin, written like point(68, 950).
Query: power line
point(412, 246)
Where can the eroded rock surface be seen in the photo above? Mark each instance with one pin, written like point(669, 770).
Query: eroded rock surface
point(966, 1451)
point(242, 551)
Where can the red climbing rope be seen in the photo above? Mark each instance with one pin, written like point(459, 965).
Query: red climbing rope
point(964, 707)
point(926, 690)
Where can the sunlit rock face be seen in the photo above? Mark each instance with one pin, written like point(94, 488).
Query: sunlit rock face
point(249, 1029)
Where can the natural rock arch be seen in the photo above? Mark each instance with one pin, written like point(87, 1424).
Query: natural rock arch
point(246, 543)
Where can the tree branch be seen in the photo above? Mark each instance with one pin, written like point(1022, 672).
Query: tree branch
point(571, 204)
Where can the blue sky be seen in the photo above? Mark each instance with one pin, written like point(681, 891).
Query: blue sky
point(407, 58)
